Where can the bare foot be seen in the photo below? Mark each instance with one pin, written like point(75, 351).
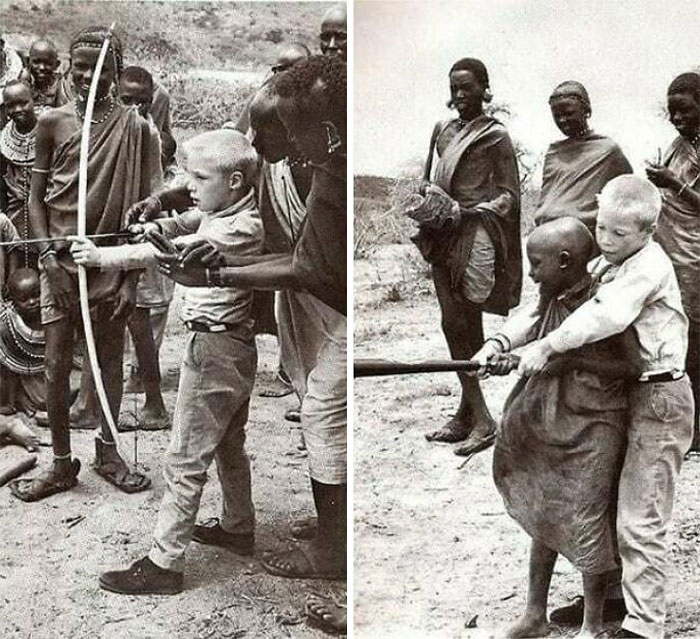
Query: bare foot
point(590, 632)
point(16, 431)
point(528, 626)
point(481, 437)
point(456, 430)
point(327, 613)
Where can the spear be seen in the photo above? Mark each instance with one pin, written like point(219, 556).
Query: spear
point(380, 367)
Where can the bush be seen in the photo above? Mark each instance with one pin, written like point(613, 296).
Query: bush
point(201, 103)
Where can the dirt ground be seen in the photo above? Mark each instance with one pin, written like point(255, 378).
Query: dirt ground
point(435, 553)
point(49, 564)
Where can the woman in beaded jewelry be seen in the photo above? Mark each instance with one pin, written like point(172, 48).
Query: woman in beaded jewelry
point(678, 229)
point(119, 170)
point(17, 150)
point(476, 261)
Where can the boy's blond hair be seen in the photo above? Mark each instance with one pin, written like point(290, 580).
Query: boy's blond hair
point(230, 150)
point(633, 196)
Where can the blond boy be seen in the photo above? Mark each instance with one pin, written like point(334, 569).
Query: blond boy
point(218, 368)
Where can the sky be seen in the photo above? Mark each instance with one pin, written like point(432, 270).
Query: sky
point(626, 52)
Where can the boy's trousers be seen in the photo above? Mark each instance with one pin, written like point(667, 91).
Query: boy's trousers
point(660, 431)
point(216, 380)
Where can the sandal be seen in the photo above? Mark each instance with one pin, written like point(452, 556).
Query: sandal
point(116, 472)
point(303, 563)
point(45, 484)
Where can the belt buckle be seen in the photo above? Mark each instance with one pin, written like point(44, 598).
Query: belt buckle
point(217, 328)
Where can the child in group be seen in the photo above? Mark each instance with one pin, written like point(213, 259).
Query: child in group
point(22, 346)
point(153, 291)
point(17, 152)
point(639, 290)
point(119, 170)
point(218, 368)
point(42, 75)
point(678, 231)
point(559, 445)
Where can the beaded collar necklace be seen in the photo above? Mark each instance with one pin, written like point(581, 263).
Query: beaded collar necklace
point(18, 148)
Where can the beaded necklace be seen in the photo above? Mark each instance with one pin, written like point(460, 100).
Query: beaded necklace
point(19, 149)
point(104, 118)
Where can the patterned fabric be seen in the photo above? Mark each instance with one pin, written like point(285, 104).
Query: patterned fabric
point(21, 348)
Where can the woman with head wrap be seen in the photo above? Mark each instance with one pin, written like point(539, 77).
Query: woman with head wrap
point(678, 229)
point(475, 256)
point(579, 166)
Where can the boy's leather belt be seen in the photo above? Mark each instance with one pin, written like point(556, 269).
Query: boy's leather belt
point(201, 327)
point(661, 376)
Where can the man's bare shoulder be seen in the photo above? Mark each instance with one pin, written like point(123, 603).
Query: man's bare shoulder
point(50, 118)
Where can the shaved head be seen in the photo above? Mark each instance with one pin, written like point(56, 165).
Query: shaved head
point(22, 279)
point(291, 55)
point(564, 234)
point(43, 47)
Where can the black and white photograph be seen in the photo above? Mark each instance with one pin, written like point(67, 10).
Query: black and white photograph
point(526, 317)
point(173, 319)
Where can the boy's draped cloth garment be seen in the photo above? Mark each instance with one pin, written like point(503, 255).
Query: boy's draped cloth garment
point(575, 171)
point(678, 229)
point(560, 445)
point(479, 170)
point(22, 351)
point(119, 174)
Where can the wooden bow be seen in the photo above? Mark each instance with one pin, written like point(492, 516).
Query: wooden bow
point(82, 230)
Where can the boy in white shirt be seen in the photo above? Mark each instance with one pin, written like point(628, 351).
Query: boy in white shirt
point(218, 368)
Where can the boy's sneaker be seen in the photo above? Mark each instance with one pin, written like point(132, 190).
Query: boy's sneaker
point(212, 534)
point(143, 577)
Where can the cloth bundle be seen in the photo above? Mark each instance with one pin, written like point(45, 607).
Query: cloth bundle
point(436, 209)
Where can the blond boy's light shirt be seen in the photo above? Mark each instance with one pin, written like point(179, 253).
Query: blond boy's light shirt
point(235, 231)
point(642, 292)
